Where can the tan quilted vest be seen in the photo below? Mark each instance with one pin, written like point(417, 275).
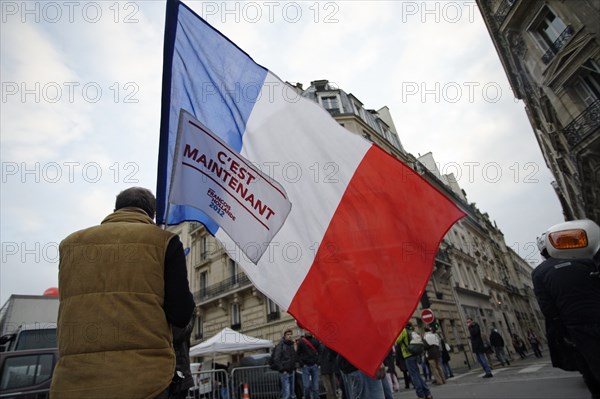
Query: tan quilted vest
point(113, 336)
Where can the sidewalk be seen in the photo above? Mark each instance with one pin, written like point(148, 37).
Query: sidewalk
point(404, 393)
point(530, 358)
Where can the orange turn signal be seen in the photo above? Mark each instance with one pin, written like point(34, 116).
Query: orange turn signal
point(568, 239)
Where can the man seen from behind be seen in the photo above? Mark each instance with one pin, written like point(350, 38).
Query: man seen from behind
point(567, 287)
point(122, 285)
point(479, 347)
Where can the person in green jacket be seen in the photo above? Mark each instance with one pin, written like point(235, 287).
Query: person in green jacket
point(409, 337)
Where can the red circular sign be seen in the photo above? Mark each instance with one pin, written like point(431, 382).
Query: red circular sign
point(427, 316)
point(52, 291)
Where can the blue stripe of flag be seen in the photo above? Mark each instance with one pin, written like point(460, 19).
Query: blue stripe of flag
point(213, 79)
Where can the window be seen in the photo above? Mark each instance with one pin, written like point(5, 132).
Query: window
point(233, 271)
point(199, 327)
point(425, 304)
point(550, 27)
point(204, 248)
point(331, 103)
point(203, 283)
point(463, 274)
point(273, 312)
point(586, 84)
point(550, 32)
point(359, 111)
point(236, 320)
point(36, 339)
point(24, 371)
point(470, 281)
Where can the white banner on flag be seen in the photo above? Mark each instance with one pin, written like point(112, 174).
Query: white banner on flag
point(210, 176)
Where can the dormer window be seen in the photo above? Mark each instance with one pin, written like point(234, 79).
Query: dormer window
point(331, 103)
point(550, 32)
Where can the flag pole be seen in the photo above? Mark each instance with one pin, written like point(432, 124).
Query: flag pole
point(167, 214)
point(173, 167)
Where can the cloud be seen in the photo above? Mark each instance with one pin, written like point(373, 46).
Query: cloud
point(373, 50)
point(38, 114)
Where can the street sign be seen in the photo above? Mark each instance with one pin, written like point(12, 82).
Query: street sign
point(427, 316)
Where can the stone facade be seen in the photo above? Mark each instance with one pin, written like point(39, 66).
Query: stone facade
point(550, 51)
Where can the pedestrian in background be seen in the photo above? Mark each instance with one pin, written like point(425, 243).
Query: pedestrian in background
point(479, 347)
point(390, 369)
point(497, 343)
point(308, 356)
point(283, 359)
point(358, 385)
point(329, 370)
point(425, 367)
point(129, 277)
point(412, 348)
point(183, 379)
point(535, 343)
point(446, 359)
point(519, 346)
point(401, 363)
point(434, 355)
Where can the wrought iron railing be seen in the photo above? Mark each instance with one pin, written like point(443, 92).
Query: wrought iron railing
point(583, 125)
point(557, 45)
point(238, 281)
point(443, 256)
point(503, 10)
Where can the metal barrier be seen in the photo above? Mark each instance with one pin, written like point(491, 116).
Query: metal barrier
point(262, 382)
point(211, 384)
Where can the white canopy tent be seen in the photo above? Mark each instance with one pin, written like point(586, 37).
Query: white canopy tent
point(229, 341)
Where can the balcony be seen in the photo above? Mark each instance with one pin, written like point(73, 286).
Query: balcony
point(583, 126)
point(503, 10)
point(442, 256)
point(229, 285)
point(557, 45)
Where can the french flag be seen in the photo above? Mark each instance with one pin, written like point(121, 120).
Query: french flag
point(357, 249)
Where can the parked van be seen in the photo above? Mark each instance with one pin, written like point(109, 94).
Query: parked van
point(30, 336)
point(27, 374)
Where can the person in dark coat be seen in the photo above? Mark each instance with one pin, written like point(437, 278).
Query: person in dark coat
point(497, 343)
point(308, 355)
point(358, 385)
point(568, 292)
point(446, 360)
point(401, 363)
point(183, 379)
point(284, 361)
point(329, 370)
point(519, 346)
point(390, 363)
point(479, 347)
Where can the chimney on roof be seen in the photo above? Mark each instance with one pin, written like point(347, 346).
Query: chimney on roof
point(320, 85)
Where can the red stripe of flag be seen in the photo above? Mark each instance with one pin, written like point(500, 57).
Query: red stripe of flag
point(375, 260)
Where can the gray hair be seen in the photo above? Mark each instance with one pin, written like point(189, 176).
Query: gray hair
point(137, 197)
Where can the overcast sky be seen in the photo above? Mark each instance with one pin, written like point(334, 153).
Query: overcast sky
point(81, 87)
